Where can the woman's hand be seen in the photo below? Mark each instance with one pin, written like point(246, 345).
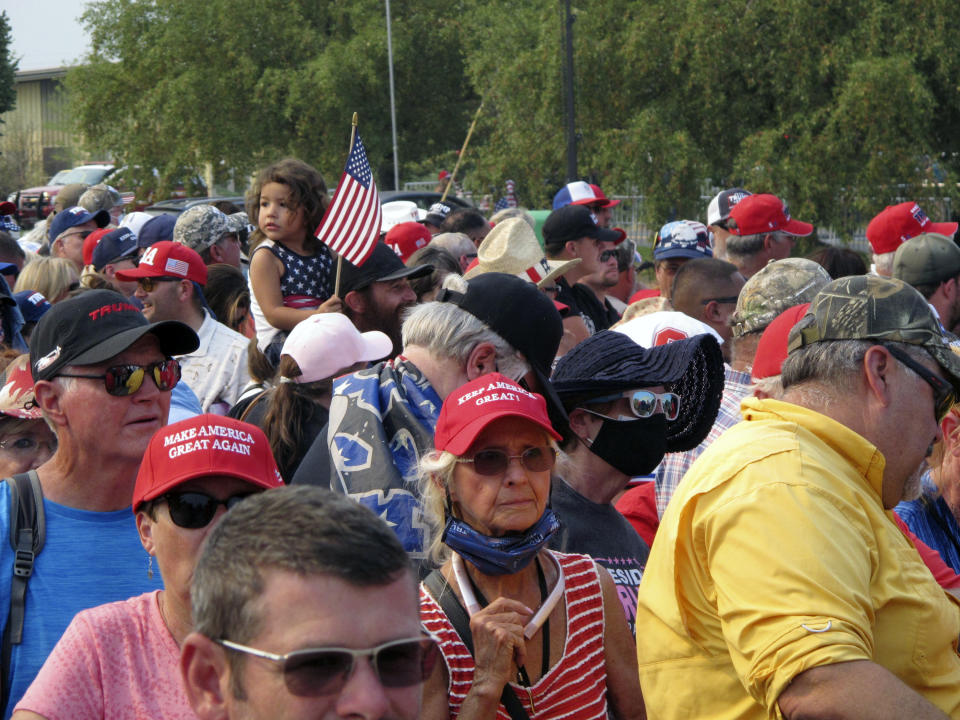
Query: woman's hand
point(332, 304)
point(499, 647)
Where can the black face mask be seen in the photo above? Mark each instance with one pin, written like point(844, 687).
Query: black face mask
point(634, 447)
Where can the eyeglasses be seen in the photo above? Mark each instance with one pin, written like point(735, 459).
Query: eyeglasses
point(944, 396)
point(27, 444)
point(82, 235)
point(495, 462)
point(195, 510)
point(607, 255)
point(730, 300)
point(324, 671)
point(149, 284)
point(644, 403)
point(123, 380)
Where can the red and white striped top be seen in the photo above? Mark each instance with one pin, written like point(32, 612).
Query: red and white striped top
point(573, 689)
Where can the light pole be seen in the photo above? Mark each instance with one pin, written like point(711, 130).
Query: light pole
point(570, 108)
point(393, 103)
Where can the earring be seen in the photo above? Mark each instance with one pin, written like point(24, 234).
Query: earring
point(150, 566)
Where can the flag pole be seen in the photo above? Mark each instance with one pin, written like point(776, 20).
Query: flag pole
point(463, 150)
point(353, 137)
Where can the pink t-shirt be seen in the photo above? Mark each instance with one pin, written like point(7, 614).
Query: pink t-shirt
point(115, 660)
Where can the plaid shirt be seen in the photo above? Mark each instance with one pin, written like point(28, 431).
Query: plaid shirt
point(736, 386)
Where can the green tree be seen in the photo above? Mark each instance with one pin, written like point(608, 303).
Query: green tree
point(8, 66)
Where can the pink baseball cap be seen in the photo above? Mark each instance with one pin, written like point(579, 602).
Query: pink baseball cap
point(765, 213)
point(772, 346)
point(471, 407)
point(205, 445)
point(325, 343)
point(896, 224)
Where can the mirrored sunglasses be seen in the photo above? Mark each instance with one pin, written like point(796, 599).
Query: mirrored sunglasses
point(122, 380)
point(495, 462)
point(194, 510)
point(324, 671)
point(644, 403)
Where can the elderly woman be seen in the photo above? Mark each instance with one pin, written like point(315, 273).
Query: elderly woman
point(628, 405)
point(545, 637)
point(121, 660)
point(26, 442)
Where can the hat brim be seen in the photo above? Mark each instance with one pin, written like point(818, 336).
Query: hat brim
point(797, 228)
point(466, 436)
point(407, 272)
point(558, 268)
point(946, 228)
point(141, 271)
point(175, 338)
point(376, 345)
point(607, 235)
point(680, 253)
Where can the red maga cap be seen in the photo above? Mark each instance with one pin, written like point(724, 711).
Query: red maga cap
point(772, 346)
point(896, 224)
point(765, 213)
point(471, 407)
point(201, 446)
point(406, 238)
point(168, 259)
point(90, 243)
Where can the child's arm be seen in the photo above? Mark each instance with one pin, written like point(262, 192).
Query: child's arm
point(265, 273)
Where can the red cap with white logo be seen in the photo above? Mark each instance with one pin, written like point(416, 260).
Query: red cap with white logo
point(168, 259)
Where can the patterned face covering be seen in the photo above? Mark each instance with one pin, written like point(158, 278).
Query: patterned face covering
point(500, 555)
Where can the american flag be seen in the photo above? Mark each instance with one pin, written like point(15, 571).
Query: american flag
point(351, 224)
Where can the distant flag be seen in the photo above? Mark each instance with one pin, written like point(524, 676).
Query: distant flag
point(351, 224)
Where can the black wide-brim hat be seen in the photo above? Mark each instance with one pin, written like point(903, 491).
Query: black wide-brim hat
point(610, 362)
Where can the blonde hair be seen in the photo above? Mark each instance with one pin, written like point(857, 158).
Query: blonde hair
point(49, 276)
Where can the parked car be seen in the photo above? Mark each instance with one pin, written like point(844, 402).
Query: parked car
point(423, 199)
point(34, 204)
point(176, 205)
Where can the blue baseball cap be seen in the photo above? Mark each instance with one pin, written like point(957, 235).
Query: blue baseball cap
point(156, 229)
point(32, 304)
point(73, 216)
point(682, 239)
point(115, 245)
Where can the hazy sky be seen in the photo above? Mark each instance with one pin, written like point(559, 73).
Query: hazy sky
point(46, 33)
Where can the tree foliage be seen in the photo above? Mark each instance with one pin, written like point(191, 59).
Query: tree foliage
point(840, 108)
point(8, 66)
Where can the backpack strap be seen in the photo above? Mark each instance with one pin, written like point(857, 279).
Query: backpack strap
point(27, 536)
point(437, 584)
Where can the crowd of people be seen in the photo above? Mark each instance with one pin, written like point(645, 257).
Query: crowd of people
point(463, 479)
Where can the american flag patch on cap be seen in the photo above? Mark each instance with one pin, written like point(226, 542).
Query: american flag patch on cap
point(177, 267)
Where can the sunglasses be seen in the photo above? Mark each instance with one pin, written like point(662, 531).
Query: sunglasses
point(123, 380)
point(495, 462)
point(149, 284)
point(729, 300)
point(944, 396)
point(195, 510)
point(607, 255)
point(644, 403)
point(324, 671)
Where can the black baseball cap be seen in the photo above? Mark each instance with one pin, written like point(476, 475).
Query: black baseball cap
point(93, 327)
point(383, 265)
point(523, 316)
point(573, 222)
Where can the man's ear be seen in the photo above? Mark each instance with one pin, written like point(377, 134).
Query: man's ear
point(573, 250)
point(206, 676)
point(877, 367)
point(481, 360)
point(48, 396)
point(580, 421)
point(56, 248)
point(356, 301)
point(950, 426)
point(711, 312)
point(216, 253)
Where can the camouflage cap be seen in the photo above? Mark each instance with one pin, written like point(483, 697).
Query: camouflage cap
point(200, 227)
point(99, 197)
point(69, 195)
point(926, 259)
point(237, 222)
point(870, 307)
point(778, 286)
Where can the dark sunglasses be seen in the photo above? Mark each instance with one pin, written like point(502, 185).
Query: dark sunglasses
point(496, 462)
point(729, 300)
point(324, 671)
point(607, 254)
point(195, 510)
point(149, 284)
point(123, 380)
point(944, 396)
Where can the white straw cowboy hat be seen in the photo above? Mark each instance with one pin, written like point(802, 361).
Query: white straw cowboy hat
point(512, 248)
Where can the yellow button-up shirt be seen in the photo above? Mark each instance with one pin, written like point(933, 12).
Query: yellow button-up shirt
point(776, 555)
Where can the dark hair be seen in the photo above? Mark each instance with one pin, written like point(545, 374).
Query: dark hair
point(259, 367)
point(697, 279)
point(443, 263)
point(227, 207)
point(227, 294)
point(289, 408)
point(307, 190)
point(463, 220)
point(839, 262)
point(301, 529)
point(10, 250)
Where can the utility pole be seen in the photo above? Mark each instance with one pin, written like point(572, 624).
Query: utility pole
point(571, 112)
point(393, 104)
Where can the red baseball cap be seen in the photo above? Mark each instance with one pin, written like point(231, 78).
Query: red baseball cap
point(17, 391)
point(471, 407)
point(896, 224)
point(406, 238)
point(643, 295)
point(168, 259)
point(90, 243)
point(764, 213)
point(598, 198)
point(772, 346)
point(205, 445)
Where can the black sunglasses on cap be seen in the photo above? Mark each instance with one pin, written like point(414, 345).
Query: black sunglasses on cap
point(194, 510)
point(323, 671)
point(123, 380)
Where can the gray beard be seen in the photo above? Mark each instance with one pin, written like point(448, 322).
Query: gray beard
point(912, 488)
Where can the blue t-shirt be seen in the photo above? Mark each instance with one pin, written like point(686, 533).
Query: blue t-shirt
point(89, 558)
